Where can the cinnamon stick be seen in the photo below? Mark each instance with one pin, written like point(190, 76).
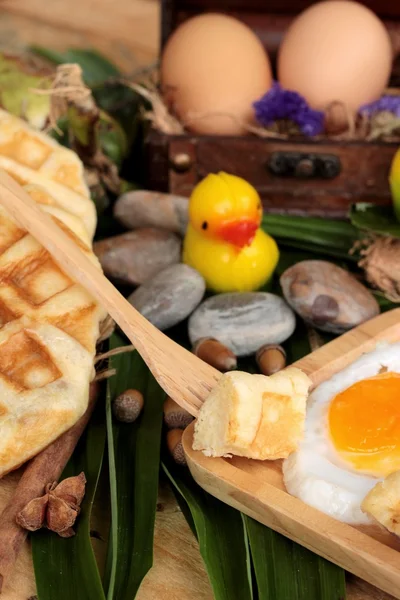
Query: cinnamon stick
point(44, 468)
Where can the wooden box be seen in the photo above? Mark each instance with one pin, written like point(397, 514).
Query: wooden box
point(296, 176)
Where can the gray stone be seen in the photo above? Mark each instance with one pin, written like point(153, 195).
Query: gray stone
point(327, 296)
point(170, 296)
point(135, 256)
point(243, 321)
point(142, 208)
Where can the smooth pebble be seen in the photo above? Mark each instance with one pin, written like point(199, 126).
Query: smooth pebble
point(243, 321)
point(142, 208)
point(170, 296)
point(135, 256)
point(327, 296)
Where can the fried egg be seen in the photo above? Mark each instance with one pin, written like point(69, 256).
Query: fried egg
point(352, 436)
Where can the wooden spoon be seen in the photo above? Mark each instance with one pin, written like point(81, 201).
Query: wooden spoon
point(184, 377)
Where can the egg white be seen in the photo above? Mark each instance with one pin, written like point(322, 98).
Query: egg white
point(315, 473)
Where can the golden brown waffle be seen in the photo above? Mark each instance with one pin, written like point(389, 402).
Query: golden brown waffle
point(48, 324)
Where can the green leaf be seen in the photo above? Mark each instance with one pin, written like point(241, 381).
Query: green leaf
point(17, 95)
point(289, 256)
point(283, 570)
point(111, 95)
point(319, 252)
point(51, 55)
point(95, 67)
point(113, 541)
point(221, 536)
point(298, 344)
point(124, 105)
point(287, 571)
point(325, 235)
point(134, 456)
point(377, 219)
point(112, 138)
point(66, 568)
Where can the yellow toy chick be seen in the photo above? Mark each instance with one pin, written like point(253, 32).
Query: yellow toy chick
point(224, 241)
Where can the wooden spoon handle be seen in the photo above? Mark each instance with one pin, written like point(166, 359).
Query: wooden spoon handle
point(76, 264)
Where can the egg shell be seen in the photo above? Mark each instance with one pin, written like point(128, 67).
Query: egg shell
point(336, 51)
point(214, 63)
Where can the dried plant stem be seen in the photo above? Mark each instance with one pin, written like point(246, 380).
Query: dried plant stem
point(259, 131)
point(380, 260)
point(159, 116)
point(356, 127)
point(67, 87)
point(383, 124)
point(70, 96)
point(164, 121)
point(44, 468)
point(106, 374)
point(114, 352)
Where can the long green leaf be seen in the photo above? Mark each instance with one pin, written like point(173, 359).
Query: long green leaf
point(66, 568)
point(113, 543)
point(325, 235)
point(291, 256)
point(221, 535)
point(95, 67)
point(318, 251)
point(134, 455)
point(375, 219)
point(298, 344)
point(111, 95)
point(287, 571)
point(283, 570)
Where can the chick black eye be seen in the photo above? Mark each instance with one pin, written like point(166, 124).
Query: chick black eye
point(204, 225)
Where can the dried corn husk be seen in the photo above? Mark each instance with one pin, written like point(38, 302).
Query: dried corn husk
point(381, 263)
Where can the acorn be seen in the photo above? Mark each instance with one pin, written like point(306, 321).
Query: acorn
point(176, 417)
point(271, 358)
point(215, 354)
point(174, 444)
point(128, 406)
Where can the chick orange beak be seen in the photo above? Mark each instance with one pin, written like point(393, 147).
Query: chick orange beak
point(239, 233)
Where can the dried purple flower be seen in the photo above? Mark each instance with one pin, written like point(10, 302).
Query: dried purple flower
point(279, 104)
point(386, 103)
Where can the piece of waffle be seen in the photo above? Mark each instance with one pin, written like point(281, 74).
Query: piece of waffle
point(48, 324)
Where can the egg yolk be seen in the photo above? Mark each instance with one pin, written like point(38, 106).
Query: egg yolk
point(364, 424)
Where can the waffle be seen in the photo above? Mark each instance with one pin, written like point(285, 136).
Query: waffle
point(48, 324)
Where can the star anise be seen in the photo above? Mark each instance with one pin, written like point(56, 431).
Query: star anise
point(57, 509)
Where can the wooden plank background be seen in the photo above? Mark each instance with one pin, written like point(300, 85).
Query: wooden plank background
point(127, 32)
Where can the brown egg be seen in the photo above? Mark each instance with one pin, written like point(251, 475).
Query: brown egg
point(336, 50)
point(214, 64)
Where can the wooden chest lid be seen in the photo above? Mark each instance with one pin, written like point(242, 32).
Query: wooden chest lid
point(385, 8)
point(269, 19)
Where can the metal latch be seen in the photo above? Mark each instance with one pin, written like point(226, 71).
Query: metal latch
point(304, 165)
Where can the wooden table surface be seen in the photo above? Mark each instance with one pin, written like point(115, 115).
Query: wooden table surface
point(127, 32)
